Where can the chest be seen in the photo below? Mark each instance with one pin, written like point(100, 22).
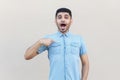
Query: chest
point(67, 46)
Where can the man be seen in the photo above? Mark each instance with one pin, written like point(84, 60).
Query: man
point(65, 50)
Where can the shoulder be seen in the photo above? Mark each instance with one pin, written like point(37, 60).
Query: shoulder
point(50, 35)
point(77, 36)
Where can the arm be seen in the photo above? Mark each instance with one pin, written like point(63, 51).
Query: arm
point(85, 66)
point(32, 51)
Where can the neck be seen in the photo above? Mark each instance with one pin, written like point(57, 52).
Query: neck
point(64, 32)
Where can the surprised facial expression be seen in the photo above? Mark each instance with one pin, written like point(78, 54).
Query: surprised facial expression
point(63, 21)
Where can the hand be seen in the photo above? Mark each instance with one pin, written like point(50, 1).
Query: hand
point(46, 41)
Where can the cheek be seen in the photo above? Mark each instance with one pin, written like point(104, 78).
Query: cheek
point(68, 21)
point(57, 21)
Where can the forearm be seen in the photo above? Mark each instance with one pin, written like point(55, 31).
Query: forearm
point(85, 70)
point(32, 51)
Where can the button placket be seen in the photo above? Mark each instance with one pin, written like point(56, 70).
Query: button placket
point(64, 45)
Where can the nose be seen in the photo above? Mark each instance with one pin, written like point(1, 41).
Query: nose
point(62, 20)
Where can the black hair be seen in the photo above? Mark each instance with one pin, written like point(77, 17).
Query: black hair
point(64, 10)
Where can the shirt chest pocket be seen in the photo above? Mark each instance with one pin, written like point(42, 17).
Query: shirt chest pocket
point(54, 48)
point(75, 48)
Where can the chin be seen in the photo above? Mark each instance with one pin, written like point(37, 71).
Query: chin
point(63, 31)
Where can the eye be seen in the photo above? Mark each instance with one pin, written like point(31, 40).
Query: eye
point(59, 17)
point(66, 16)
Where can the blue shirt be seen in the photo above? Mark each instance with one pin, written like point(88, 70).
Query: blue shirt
point(64, 56)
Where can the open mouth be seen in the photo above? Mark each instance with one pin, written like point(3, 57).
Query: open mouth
point(63, 25)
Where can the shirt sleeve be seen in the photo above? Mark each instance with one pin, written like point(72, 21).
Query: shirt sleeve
point(83, 49)
point(42, 48)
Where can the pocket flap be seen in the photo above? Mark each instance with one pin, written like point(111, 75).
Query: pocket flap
point(75, 44)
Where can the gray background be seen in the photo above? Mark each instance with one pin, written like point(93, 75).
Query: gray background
point(23, 22)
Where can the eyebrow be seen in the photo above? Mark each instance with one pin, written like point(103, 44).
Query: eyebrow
point(66, 15)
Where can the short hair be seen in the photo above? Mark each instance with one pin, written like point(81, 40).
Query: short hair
point(64, 10)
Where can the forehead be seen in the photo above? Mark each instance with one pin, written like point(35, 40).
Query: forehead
point(63, 14)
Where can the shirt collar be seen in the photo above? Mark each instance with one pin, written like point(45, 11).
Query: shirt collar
point(67, 34)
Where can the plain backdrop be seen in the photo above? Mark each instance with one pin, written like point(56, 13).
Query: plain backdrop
point(23, 22)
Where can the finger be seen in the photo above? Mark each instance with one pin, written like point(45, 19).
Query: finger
point(53, 41)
